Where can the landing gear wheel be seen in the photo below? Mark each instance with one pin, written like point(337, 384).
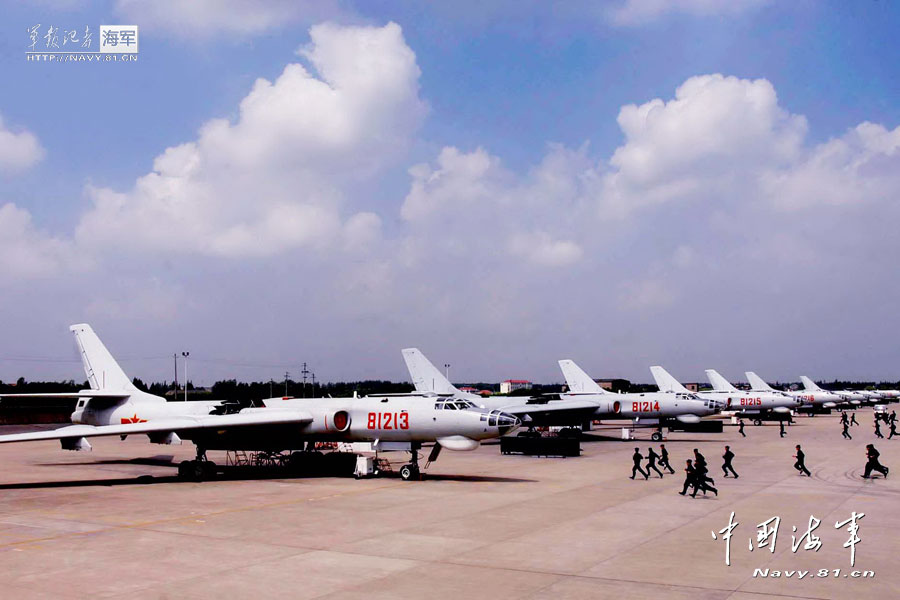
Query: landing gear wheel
point(408, 472)
point(209, 469)
point(656, 437)
point(757, 422)
point(184, 469)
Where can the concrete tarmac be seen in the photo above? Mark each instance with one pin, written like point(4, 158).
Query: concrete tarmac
point(116, 523)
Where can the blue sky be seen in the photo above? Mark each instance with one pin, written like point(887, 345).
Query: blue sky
point(512, 79)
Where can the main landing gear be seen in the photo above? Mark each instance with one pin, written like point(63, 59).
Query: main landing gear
point(197, 470)
point(411, 471)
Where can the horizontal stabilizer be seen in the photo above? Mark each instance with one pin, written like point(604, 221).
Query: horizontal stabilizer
point(577, 380)
point(719, 383)
point(78, 394)
point(757, 384)
point(665, 382)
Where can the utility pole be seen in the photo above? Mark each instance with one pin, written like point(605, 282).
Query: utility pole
point(175, 360)
point(271, 382)
point(287, 374)
point(304, 372)
point(185, 355)
point(447, 367)
point(313, 385)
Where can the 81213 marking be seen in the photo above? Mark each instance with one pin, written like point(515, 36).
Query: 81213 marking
point(387, 420)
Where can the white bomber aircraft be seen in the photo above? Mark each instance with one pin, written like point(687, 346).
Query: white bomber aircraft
point(428, 379)
point(754, 402)
point(814, 398)
point(679, 404)
point(848, 396)
point(114, 406)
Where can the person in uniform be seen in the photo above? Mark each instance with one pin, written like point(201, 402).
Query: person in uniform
point(893, 429)
point(651, 461)
point(741, 428)
point(846, 432)
point(637, 458)
point(853, 420)
point(844, 420)
point(893, 416)
point(781, 428)
point(664, 459)
point(690, 479)
point(702, 471)
point(726, 466)
point(878, 428)
point(800, 464)
point(872, 463)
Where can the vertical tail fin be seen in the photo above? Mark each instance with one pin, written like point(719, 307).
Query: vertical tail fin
point(665, 382)
point(809, 384)
point(719, 383)
point(425, 376)
point(102, 371)
point(578, 380)
point(757, 383)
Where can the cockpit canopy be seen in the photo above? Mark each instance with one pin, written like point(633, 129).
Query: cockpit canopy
point(454, 404)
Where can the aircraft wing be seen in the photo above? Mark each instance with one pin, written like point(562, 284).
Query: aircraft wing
point(584, 407)
point(257, 417)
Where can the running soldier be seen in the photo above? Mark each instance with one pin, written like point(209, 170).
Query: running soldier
point(872, 463)
point(637, 458)
point(651, 461)
point(726, 466)
point(664, 459)
point(800, 464)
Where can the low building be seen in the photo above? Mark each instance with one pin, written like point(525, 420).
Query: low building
point(511, 385)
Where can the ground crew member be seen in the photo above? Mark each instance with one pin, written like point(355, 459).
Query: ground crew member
point(799, 465)
point(726, 466)
point(893, 416)
point(636, 457)
point(846, 432)
point(893, 429)
point(872, 462)
point(741, 428)
point(781, 428)
point(853, 420)
point(878, 429)
point(651, 461)
point(664, 459)
point(690, 478)
point(844, 420)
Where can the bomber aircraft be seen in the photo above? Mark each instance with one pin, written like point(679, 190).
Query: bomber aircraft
point(753, 404)
point(847, 396)
point(533, 411)
point(810, 399)
point(650, 408)
point(113, 406)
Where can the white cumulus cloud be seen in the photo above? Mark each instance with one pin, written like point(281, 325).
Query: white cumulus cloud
point(18, 150)
point(274, 179)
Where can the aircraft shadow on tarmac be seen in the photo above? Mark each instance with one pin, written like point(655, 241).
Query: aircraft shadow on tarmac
point(226, 473)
